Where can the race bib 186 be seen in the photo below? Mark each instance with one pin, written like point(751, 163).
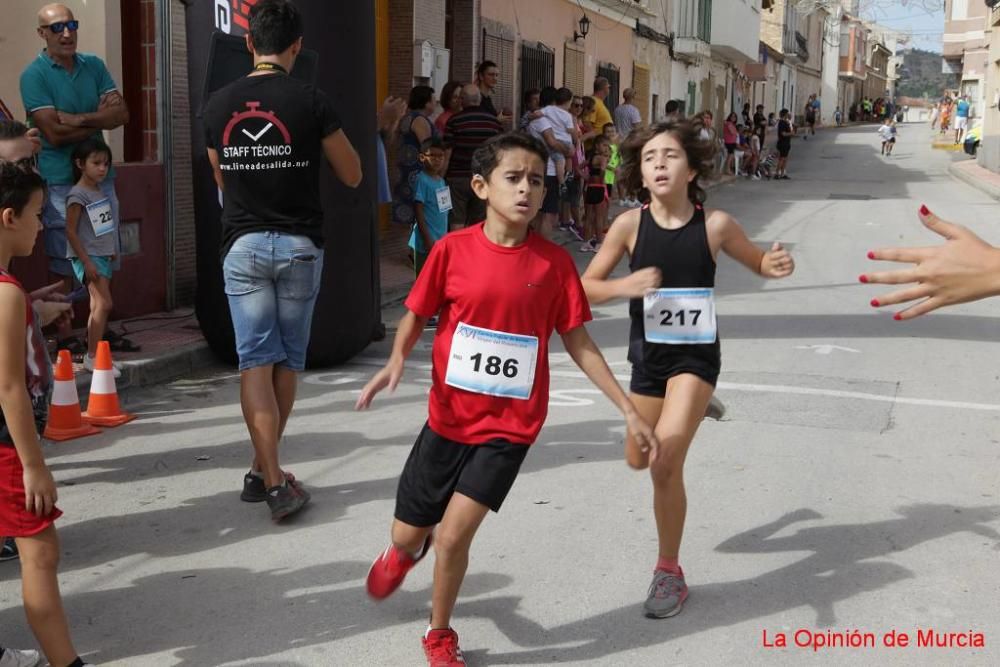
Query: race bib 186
point(101, 218)
point(492, 362)
point(680, 316)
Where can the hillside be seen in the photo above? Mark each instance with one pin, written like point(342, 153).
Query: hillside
point(921, 75)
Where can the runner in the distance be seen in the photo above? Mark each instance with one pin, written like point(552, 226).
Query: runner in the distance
point(672, 242)
point(490, 388)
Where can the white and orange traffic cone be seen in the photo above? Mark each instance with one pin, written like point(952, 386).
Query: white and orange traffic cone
point(65, 421)
point(102, 406)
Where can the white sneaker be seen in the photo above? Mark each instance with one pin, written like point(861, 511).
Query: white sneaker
point(586, 247)
point(15, 658)
point(88, 363)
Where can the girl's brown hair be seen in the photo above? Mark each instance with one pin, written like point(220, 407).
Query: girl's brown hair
point(700, 156)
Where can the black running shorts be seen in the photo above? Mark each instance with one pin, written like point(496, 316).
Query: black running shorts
point(646, 384)
point(438, 467)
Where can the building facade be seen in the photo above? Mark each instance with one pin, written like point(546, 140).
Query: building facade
point(852, 61)
point(988, 154)
point(966, 49)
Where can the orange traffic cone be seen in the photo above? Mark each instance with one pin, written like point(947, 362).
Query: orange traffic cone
point(102, 406)
point(65, 422)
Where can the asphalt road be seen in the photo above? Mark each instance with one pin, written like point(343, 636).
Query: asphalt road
point(854, 483)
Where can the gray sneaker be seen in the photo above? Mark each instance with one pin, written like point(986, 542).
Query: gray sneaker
point(286, 500)
point(666, 595)
point(716, 409)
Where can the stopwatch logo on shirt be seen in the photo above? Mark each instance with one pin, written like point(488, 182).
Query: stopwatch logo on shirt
point(254, 135)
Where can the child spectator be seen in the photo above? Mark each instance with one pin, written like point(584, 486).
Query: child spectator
point(432, 202)
point(595, 199)
point(755, 148)
point(91, 230)
point(610, 132)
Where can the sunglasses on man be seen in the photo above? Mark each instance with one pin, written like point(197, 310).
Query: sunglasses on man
point(59, 27)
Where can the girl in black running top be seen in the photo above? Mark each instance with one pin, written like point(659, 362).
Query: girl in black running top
point(672, 243)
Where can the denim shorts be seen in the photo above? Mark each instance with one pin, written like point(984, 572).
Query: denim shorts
point(272, 280)
point(54, 224)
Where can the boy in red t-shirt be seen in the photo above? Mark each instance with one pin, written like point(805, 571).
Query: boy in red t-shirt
point(500, 290)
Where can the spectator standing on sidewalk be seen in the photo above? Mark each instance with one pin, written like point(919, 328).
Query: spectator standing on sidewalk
point(785, 134)
point(810, 117)
point(760, 124)
point(627, 115)
point(531, 99)
point(487, 79)
point(70, 97)
point(272, 232)
point(961, 118)
point(466, 131)
point(451, 104)
point(414, 129)
point(600, 116)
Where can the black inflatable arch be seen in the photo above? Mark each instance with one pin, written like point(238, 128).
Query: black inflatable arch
point(340, 59)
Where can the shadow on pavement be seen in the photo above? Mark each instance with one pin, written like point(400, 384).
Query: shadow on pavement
point(843, 564)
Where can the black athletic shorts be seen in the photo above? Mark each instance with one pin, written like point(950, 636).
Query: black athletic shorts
point(783, 150)
point(595, 194)
point(573, 190)
point(551, 202)
point(646, 384)
point(438, 467)
point(730, 148)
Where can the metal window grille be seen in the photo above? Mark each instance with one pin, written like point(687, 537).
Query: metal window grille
point(538, 65)
point(501, 51)
point(611, 73)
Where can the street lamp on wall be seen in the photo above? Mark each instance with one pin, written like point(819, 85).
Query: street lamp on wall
point(584, 28)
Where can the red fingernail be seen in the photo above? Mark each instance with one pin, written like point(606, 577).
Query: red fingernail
point(871, 254)
point(897, 317)
point(863, 278)
point(924, 210)
point(874, 303)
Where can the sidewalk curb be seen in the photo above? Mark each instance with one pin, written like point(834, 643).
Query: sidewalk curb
point(963, 175)
point(147, 372)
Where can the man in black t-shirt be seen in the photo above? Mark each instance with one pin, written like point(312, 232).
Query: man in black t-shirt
point(760, 124)
point(266, 135)
point(785, 133)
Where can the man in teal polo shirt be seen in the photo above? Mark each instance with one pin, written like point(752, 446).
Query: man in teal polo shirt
point(70, 97)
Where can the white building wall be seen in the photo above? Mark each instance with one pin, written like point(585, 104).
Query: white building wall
point(736, 24)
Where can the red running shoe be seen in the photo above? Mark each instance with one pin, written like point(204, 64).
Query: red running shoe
point(441, 648)
point(390, 568)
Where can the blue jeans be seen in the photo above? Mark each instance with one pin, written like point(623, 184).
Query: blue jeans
point(54, 223)
point(272, 280)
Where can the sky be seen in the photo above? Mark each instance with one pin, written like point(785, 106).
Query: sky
point(923, 19)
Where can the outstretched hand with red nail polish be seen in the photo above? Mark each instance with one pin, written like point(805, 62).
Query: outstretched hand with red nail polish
point(964, 268)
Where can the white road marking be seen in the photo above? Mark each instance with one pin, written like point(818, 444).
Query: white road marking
point(777, 389)
point(827, 349)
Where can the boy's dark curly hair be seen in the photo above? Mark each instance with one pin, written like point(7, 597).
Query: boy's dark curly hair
point(700, 156)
